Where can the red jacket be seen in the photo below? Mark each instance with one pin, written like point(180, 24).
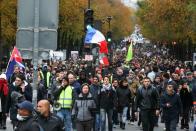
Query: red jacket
point(4, 87)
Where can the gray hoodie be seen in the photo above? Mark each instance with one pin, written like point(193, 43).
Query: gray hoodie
point(82, 107)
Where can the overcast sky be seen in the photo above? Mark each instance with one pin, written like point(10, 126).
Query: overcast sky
point(131, 3)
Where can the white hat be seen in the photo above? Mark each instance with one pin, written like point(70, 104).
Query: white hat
point(3, 76)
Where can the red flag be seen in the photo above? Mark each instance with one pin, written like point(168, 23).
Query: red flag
point(14, 59)
point(103, 47)
point(16, 55)
point(104, 61)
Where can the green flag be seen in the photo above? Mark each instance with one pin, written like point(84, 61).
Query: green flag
point(130, 53)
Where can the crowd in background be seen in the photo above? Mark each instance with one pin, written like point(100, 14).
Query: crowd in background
point(152, 85)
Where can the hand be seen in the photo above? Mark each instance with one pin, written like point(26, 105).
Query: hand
point(7, 114)
point(73, 117)
point(115, 108)
point(64, 83)
point(157, 112)
point(22, 87)
point(168, 105)
point(136, 115)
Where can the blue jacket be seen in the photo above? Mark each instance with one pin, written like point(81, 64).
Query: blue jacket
point(77, 87)
point(175, 109)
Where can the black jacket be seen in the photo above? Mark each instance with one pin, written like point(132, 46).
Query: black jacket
point(51, 123)
point(30, 124)
point(107, 98)
point(12, 102)
point(175, 109)
point(123, 96)
point(147, 99)
point(186, 98)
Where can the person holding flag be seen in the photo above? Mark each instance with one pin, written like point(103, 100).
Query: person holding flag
point(129, 56)
point(19, 91)
point(14, 64)
point(95, 36)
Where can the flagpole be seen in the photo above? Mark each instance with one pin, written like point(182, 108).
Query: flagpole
point(9, 59)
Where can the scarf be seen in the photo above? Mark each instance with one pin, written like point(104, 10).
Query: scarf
point(106, 87)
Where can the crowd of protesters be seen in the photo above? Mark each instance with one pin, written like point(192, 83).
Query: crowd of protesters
point(77, 95)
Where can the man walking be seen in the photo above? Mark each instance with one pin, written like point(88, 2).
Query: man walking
point(147, 99)
point(26, 122)
point(172, 107)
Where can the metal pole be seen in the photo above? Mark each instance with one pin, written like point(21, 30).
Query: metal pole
point(35, 51)
point(89, 4)
point(0, 43)
point(109, 25)
point(109, 18)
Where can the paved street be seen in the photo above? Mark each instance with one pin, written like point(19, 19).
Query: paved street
point(129, 127)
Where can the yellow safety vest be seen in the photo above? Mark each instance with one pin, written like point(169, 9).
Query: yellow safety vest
point(47, 79)
point(111, 78)
point(65, 98)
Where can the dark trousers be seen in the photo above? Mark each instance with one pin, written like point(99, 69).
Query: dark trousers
point(109, 113)
point(115, 117)
point(147, 117)
point(171, 124)
point(128, 113)
point(84, 125)
point(185, 117)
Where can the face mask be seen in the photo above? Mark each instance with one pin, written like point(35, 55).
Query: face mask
point(21, 118)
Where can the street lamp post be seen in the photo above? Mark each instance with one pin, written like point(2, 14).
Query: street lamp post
point(89, 4)
point(109, 18)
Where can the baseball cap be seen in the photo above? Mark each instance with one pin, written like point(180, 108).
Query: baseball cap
point(25, 105)
point(188, 73)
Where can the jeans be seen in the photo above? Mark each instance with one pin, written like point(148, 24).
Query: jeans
point(171, 125)
point(103, 113)
point(65, 115)
point(123, 115)
point(97, 122)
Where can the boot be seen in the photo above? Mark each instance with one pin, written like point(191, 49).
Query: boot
point(123, 126)
point(4, 124)
point(1, 125)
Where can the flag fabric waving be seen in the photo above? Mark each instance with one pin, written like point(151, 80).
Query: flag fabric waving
point(15, 59)
point(130, 53)
point(103, 47)
point(103, 60)
point(95, 36)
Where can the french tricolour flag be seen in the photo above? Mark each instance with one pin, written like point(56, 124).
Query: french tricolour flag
point(15, 59)
point(95, 36)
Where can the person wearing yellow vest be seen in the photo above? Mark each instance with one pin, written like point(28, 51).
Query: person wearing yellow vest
point(45, 76)
point(64, 94)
